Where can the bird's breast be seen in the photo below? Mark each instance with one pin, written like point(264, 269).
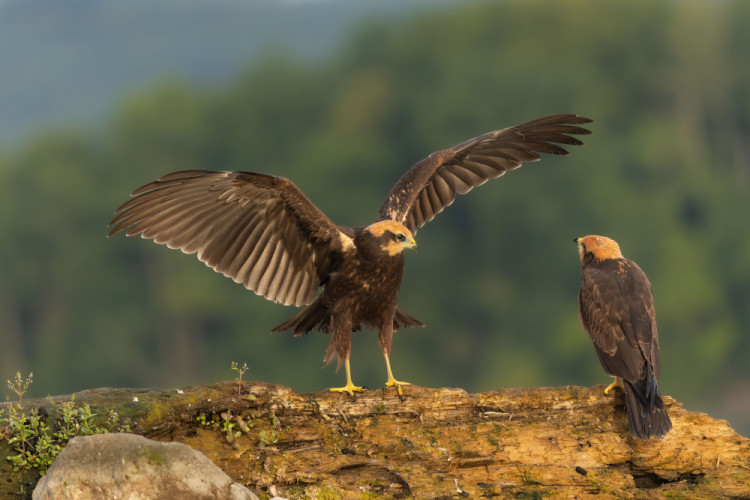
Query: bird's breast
point(365, 289)
point(370, 280)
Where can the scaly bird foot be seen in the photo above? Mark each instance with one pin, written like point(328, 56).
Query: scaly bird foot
point(349, 387)
point(616, 384)
point(393, 382)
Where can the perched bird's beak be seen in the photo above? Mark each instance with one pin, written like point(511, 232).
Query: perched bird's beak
point(579, 244)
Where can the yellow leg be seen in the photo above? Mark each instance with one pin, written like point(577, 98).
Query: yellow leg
point(616, 384)
point(391, 380)
point(349, 387)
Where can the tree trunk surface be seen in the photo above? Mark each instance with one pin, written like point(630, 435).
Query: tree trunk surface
point(432, 443)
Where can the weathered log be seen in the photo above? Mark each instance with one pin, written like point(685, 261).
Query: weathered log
point(435, 443)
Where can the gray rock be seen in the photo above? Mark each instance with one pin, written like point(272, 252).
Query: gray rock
point(131, 467)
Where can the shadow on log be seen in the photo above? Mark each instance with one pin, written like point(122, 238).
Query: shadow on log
point(436, 443)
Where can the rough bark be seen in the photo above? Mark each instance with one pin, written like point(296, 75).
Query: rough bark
point(435, 443)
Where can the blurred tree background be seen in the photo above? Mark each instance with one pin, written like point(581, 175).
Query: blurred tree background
point(666, 174)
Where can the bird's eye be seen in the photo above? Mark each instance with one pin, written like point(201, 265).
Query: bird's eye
point(400, 237)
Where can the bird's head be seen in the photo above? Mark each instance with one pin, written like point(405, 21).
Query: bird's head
point(392, 237)
point(599, 247)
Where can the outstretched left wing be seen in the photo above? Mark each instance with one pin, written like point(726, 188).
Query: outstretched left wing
point(432, 184)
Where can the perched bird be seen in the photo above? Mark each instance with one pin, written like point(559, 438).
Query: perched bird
point(617, 310)
point(262, 231)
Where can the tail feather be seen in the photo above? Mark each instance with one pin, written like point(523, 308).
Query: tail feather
point(403, 320)
point(318, 317)
point(646, 413)
point(313, 317)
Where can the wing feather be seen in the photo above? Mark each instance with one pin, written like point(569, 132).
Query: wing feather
point(473, 163)
point(465, 177)
point(259, 230)
point(445, 192)
point(239, 264)
point(433, 197)
point(424, 202)
point(283, 278)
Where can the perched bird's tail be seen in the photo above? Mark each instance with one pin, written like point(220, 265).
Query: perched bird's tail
point(646, 413)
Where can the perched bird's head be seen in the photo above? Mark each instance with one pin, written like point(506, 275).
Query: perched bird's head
point(599, 247)
point(392, 237)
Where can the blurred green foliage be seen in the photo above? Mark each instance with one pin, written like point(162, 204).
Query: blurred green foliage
point(666, 174)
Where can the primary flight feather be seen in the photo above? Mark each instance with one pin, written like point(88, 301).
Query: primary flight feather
point(262, 231)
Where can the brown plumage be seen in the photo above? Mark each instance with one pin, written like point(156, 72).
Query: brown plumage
point(617, 310)
point(262, 231)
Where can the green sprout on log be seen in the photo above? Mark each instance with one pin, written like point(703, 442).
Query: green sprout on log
point(241, 372)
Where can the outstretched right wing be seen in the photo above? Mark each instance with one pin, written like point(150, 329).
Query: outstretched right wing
point(257, 229)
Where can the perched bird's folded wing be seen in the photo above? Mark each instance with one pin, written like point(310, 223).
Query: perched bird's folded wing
point(641, 324)
point(257, 229)
point(605, 315)
point(432, 184)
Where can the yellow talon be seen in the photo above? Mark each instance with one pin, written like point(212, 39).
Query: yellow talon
point(393, 382)
point(391, 379)
point(349, 387)
point(616, 384)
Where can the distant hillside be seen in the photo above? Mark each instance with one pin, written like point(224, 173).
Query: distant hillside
point(67, 61)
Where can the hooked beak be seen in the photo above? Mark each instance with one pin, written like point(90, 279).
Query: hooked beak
point(579, 244)
point(411, 245)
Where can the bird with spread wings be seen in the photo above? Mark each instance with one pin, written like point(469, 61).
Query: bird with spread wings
point(262, 231)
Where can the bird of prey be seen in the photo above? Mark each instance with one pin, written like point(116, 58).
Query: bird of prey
point(262, 231)
point(617, 310)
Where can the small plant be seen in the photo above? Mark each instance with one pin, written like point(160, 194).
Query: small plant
point(234, 426)
point(204, 421)
point(227, 427)
point(272, 437)
point(113, 423)
point(38, 444)
point(267, 438)
point(19, 386)
point(241, 372)
point(244, 426)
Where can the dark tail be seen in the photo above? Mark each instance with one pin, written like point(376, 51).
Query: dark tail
point(403, 320)
point(646, 413)
point(313, 317)
point(318, 317)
